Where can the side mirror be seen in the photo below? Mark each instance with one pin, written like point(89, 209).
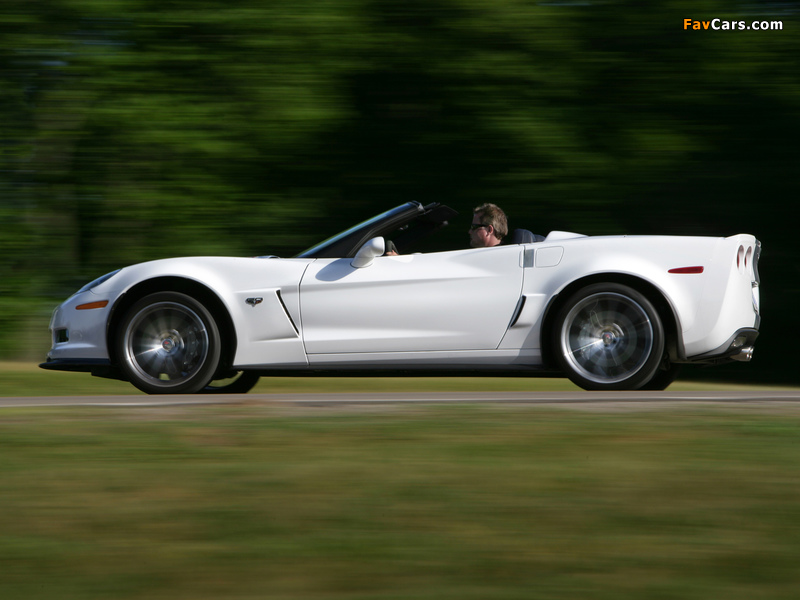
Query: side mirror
point(367, 253)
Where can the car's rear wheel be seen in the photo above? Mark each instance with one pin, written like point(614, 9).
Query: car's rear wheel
point(236, 382)
point(609, 336)
point(663, 378)
point(168, 343)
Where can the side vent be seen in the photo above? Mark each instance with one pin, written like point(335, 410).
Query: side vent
point(288, 316)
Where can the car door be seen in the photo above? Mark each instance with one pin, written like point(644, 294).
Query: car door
point(461, 300)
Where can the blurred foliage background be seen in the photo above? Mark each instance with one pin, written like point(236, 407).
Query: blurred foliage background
point(139, 129)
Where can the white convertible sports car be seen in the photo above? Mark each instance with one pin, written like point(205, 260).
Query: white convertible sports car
point(609, 312)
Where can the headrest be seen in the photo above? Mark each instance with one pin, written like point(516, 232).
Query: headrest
point(523, 236)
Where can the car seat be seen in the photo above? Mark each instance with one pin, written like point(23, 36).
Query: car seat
point(523, 236)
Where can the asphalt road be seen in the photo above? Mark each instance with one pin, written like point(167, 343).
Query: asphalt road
point(621, 400)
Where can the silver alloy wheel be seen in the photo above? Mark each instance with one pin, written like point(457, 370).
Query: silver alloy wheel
point(607, 337)
point(166, 344)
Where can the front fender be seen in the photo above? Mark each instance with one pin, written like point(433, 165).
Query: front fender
point(261, 297)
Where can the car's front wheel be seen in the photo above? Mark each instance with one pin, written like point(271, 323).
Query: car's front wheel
point(608, 336)
point(168, 343)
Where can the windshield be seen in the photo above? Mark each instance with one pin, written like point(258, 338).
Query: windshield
point(340, 244)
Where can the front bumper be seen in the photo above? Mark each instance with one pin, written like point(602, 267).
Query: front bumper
point(79, 333)
point(97, 367)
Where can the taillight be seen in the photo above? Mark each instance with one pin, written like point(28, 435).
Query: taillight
point(756, 256)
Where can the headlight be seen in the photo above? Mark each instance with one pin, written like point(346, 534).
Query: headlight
point(97, 281)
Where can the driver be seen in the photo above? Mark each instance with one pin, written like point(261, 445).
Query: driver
point(489, 226)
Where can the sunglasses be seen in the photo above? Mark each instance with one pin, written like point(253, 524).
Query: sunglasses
point(475, 226)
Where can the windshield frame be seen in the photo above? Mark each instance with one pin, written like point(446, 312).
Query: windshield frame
point(347, 243)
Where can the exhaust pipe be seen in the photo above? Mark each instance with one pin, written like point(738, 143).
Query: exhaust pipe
point(744, 355)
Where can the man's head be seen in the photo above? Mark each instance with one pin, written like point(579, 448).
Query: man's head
point(489, 226)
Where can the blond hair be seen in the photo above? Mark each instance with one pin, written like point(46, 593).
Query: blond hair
point(491, 214)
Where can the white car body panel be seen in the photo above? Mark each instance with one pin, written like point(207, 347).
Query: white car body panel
point(460, 300)
point(709, 306)
point(265, 332)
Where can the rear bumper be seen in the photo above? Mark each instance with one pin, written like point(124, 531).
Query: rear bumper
point(739, 347)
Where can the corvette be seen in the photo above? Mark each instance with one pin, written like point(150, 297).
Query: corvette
point(609, 312)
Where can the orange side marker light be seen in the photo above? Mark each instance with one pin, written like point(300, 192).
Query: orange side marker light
point(91, 305)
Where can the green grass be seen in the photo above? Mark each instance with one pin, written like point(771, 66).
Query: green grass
point(423, 502)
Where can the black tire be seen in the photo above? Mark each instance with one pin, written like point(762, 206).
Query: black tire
point(663, 378)
point(608, 336)
point(168, 343)
point(238, 382)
